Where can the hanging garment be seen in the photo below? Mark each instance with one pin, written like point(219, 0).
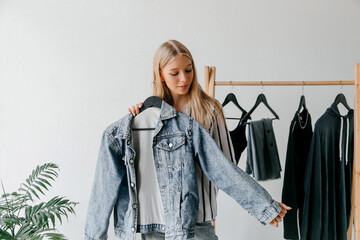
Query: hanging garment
point(178, 142)
point(300, 134)
point(238, 137)
point(328, 174)
point(263, 157)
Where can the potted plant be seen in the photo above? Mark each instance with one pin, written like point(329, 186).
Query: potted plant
point(22, 219)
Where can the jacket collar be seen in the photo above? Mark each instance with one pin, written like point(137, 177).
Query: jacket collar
point(166, 112)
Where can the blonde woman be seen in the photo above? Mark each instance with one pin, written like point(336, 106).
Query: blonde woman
point(175, 82)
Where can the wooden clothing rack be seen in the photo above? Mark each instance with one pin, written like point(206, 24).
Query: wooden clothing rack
point(210, 83)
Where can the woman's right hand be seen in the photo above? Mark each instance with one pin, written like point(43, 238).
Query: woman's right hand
point(134, 110)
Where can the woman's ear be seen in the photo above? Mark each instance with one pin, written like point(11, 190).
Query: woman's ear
point(161, 77)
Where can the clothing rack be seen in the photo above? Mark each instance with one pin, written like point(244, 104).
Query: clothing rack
point(210, 83)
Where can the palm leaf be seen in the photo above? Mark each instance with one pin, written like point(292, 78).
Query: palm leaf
point(24, 232)
point(5, 235)
point(37, 218)
point(37, 181)
point(44, 213)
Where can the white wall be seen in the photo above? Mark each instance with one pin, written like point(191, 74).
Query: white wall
point(69, 68)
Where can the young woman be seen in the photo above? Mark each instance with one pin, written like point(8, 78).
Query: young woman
point(175, 81)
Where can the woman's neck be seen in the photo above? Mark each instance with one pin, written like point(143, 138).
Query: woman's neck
point(180, 102)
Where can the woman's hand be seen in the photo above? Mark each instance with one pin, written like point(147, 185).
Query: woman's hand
point(134, 110)
point(281, 215)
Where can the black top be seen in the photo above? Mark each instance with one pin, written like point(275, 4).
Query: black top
point(300, 134)
point(328, 175)
point(238, 138)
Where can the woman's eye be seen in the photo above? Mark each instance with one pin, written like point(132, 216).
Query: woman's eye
point(188, 70)
point(174, 74)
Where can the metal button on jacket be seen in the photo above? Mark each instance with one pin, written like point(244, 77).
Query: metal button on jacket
point(170, 145)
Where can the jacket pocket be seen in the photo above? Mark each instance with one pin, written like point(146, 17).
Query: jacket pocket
point(171, 142)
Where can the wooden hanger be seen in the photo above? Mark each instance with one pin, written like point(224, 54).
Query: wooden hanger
point(261, 99)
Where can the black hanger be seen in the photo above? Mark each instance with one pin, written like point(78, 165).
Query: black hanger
point(232, 98)
point(152, 101)
point(340, 98)
point(261, 99)
point(302, 103)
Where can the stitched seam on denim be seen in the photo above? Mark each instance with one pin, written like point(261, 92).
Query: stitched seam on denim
point(273, 208)
point(112, 141)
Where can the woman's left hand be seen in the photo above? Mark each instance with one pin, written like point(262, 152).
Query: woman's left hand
point(281, 215)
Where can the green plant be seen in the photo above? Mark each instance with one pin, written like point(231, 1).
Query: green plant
point(22, 219)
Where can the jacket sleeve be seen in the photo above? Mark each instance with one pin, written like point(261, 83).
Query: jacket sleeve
point(312, 216)
point(109, 173)
point(231, 179)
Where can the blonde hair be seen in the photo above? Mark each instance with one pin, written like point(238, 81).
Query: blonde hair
point(201, 106)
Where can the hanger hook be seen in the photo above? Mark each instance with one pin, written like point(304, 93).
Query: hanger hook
point(232, 86)
point(302, 88)
point(341, 88)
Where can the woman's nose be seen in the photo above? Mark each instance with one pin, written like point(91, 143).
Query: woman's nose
point(183, 77)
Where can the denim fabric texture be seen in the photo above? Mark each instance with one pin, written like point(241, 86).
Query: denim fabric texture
point(178, 142)
point(203, 231)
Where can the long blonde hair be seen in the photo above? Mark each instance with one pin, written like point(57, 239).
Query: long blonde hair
point(201, 106)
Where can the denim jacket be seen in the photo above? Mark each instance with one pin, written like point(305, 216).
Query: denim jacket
point(178, 142)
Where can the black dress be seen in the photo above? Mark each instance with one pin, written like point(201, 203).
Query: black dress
point(300, 134)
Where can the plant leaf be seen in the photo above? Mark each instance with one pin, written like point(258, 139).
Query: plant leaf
point(6, 235)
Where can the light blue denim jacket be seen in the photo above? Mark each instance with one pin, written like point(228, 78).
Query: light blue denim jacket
point(178, 142)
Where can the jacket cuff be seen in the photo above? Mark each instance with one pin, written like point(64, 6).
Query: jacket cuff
point(270, 213)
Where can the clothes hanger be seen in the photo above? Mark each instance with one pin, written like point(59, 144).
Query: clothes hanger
point(261, 99)
point(302, 103)
point(302, 99)
point(232, 98)
point(152, 101)
point(340, 98)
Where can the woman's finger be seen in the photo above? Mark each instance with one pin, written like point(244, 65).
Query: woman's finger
point(282, 214)
point(274, 224)
point(137, 107)
point(283, 205)
point(133, 110)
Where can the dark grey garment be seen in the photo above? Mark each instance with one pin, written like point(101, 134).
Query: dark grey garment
point(328, 177)
point(262, 155)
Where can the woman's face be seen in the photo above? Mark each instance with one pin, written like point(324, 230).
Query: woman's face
point(178, 75)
